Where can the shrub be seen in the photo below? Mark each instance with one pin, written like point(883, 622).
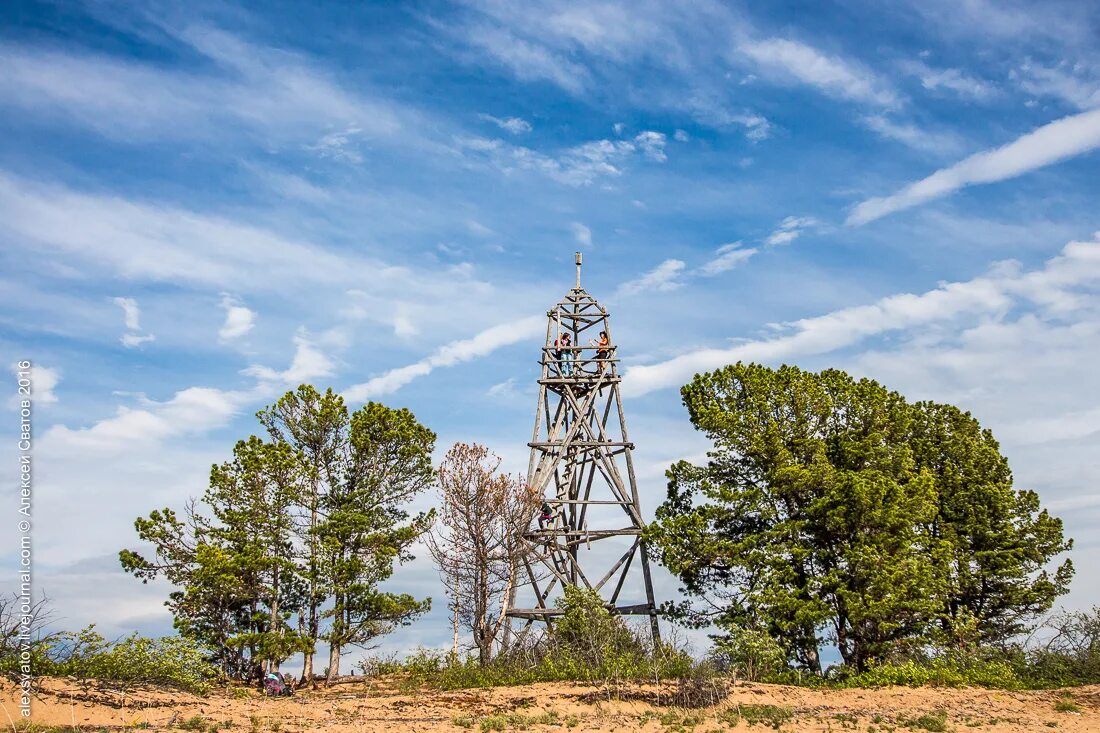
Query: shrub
point(1069, 656)
point(750, 654)
point(172, 660)
point(938, 672)
point(700, 686)
point(588, 644)
point(772, 715)
point(935, 722)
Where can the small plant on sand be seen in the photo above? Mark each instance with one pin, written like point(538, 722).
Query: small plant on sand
point(772, 715)
point(462, 721)
point(935, 722)
point(195, 722)
point(676, 721)
point(493, 722)
point(1067, 705)
point(730, 717)
point(846, 720)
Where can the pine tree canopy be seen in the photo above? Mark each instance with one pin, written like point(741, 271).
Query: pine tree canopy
point(830, 509)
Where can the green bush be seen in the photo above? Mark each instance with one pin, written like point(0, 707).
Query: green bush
point(771, 715)
point(588, 644)
point(935, 722)
point(1063, 652)
point(172, 660)
point(1069, 656)
point(750, 654)
point(937, 672)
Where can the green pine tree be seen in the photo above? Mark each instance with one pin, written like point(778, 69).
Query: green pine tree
point(832, 505)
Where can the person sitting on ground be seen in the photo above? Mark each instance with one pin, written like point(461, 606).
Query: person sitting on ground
point(275, 686)
point(564, 354)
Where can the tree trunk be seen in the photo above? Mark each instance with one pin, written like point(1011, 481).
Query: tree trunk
point(812, 658)
point(314, 622)
point(273, 622)
point(454, 646)
point(333, 663)
point(484, 645)
point(336, 637)
point(307, 656)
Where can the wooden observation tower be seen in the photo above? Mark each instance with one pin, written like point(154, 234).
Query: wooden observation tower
point(581, 464)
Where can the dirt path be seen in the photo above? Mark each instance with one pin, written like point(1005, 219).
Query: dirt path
point(366, 707)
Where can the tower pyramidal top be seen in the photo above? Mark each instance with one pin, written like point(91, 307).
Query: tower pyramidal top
point(589, 530)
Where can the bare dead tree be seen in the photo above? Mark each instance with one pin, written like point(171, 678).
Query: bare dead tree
point(477, 541)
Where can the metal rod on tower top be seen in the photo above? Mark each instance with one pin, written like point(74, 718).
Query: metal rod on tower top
point(578, 271)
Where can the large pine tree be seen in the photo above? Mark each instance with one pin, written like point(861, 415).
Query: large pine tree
point(832, 504)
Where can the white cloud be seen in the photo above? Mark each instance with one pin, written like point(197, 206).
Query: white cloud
point(132, 318)
point(727, 257)
point(581, 234)
point(43, 382)
point(115, 238)
point(273, 95)
point(339, 145)
point(455, 352)
point(509, 391)
point(479, 229)
point(309, 363)
point(1070, 83)
point(1053, 288)
point(133, 340)
point(527, 60)
point(1048, 144)
point(832, 75)
point(131, 312)
point(663, 278)
point(953, 80)
point(681, 136)
point(580, 165)
point(757, 127)
point(652, 144)
point(507, 387)
point(190, 411)
point(789, 230)
point(712, 110)
point(158, 242)
point(288, 185)
point(403, 327)
point(239, 320)
point(940, 143)
point(1070, 425)
point(514, 125)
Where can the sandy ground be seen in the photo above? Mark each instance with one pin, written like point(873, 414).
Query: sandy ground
point(385, 706)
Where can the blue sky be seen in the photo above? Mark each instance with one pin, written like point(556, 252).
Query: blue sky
point(203, 206)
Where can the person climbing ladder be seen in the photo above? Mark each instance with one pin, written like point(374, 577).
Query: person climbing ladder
point(547, 515)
